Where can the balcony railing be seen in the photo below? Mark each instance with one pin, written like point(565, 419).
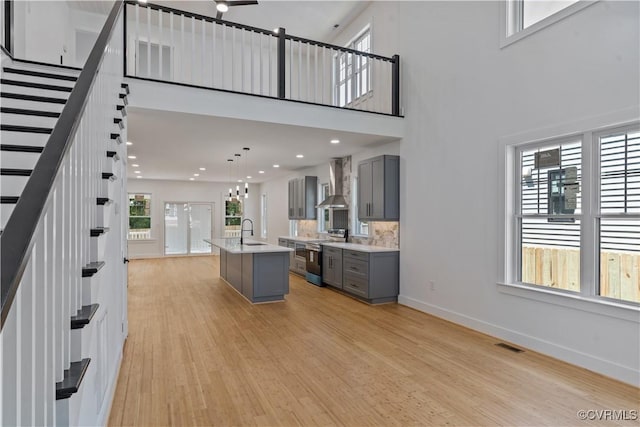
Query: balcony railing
point(169, 45)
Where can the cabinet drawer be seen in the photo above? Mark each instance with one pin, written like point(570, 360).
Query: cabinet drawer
point(301, 266)
point(331, 250)
point(356, 286)
point(283, 242)
point(356, 268)
point(363, 256)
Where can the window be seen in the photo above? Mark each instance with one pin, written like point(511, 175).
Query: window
point(139, 216)
point(324, 213)
point(149, 60)
point(619, 220)
point(524, 17)
point(353, 72)
point(548, 215)
point(360, 228)
point(232, 217)
point(575, 219)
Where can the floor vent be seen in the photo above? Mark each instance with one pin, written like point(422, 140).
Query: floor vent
point(509, 347)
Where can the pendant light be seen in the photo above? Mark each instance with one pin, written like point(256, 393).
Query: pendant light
point(229, 161)
point(246, 159)
point(238, 175)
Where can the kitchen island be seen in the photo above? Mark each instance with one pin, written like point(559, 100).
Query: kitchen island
point(258, 271)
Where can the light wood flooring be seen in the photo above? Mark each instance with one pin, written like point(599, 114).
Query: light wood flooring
point(199, 354)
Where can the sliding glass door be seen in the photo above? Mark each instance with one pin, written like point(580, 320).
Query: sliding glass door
point(186, 225)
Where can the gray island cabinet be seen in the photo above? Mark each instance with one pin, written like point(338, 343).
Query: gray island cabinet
point(258, 271)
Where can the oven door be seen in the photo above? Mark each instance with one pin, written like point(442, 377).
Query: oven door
point(314, 261)
point(301, 251)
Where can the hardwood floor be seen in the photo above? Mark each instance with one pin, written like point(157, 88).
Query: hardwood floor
point(199, 354)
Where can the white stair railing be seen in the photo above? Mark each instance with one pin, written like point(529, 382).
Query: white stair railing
point(42, 285)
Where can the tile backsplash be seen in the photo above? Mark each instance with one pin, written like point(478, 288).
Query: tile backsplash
point(384, 233)
point(308, 228)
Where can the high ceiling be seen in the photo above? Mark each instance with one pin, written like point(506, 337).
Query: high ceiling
point(170, 145)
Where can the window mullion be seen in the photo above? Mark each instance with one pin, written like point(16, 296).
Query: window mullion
point(589, 253)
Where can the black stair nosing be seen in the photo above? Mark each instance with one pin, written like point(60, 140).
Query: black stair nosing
point(15, 172)
point(72, 379)
point(102, 201)
point(25, 112)
point(92, 268)
point(27, 129)
point(125, 86)
point(109, 176)
point(98, 231)
point(9, 200)
point(21, 148)
point(34, 85)
point(113, 154)
point(33, 98)
point(84, 316)
point(40, 74)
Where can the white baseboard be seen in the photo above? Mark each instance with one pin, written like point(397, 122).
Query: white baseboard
point(154, 256)
point(103, 416)
point(605, 367)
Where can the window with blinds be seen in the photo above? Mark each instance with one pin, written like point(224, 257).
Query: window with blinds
point(619, 220)
point(549, 215)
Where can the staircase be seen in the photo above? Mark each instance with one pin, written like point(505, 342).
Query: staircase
point(62, 199)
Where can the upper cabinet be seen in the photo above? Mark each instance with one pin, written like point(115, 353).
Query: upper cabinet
point(379, 189)
point(303, 194)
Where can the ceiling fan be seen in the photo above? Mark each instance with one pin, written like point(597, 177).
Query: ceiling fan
point(223, 5)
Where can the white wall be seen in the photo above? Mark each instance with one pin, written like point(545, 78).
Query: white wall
point(185, 191)
point(462, 93)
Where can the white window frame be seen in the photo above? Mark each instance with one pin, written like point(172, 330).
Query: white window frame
point(263, 217)
point(511, 20)
point(148, 235)
point(355, 97)
point(324, 192)
point(587, 299)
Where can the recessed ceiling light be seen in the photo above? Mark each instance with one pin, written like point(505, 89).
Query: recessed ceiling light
point(276, 30)
point(135, 165)
point(203, 169)
point(129, 143)
point(191, 179)
point(196, 174)
point(139, 176)
point(276, 166)
point(131, 157)
point(260, 171)
point(137, 172)
point(299, 156)
point(248, 176)
point(335, 141)
point(239, 180)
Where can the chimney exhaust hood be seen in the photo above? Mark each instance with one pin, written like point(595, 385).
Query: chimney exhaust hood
point(335, 198)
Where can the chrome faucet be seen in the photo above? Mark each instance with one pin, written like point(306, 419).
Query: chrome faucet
point(242, 230)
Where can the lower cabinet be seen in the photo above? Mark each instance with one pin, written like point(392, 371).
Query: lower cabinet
point(372, 276)
point(263, 276)
point(223, 264)
point(234, 270)
point(332, 266)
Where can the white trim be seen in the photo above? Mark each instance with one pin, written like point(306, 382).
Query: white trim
point(507, 265)
point(103, 415)
point(626, 374)
point(506, 25)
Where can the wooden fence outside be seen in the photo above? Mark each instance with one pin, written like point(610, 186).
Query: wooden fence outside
point(560, 268)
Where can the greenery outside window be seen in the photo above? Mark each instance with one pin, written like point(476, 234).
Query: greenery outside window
point(232, 217)
point(139, 216)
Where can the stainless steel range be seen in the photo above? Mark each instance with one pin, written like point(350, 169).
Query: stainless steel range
point(314, 254)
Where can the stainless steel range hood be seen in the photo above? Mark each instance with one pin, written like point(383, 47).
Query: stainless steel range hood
point(335, 198)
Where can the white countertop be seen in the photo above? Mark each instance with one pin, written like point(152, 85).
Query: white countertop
point(302, 239)
point(233, 246)
point(358, 247)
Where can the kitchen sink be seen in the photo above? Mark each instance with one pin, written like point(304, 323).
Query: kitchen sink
point(254, 244)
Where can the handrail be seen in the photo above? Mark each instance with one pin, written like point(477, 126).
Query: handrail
point(16, 240)
point(153, 6)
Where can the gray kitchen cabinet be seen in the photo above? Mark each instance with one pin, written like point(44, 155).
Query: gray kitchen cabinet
point(379, 189)
point(262, 276)
point(289, 244)
point(303, 195)
point(332, 266)
point(371, 276)
point(234, 270)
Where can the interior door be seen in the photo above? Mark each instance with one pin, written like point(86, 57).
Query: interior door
point(201, 220)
